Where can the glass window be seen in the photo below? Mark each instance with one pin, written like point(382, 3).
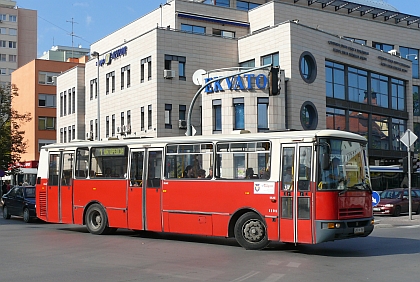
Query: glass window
point(307, 68)
point(248, 64)
point(13, 31)
point(336, 119)
point(382, 46)
point(3, 30)
point(12, 18)
point(82, 163)
point(217, 115)
point(107, 126)
point(379, 133)
point(223, 3)
point(47, 100)
point(399, 127)
point(271, 59)
point(193, 28)
point(416, 100)
point(149, 117)
point(181, 70)
point(360, 41)
point(245, 160)
point(245, 6)
point(357, 85)
point(359, 123)
point(108, 162)
point(379, 92)
point(136, 171)
point(12, 44)
point(412, 55)
point(12, 58)
point(308, 115)
point(239, 116)
point(335, 85)
point(113, 125)
point(224, 33)
point(47, 77)
point(46, 123)
point(3, 43)
point(398, 94)
point(3, 57)
point(182, 112)
point(142, 118)
point(262, 113)
point(168, 114)
point(189, 160)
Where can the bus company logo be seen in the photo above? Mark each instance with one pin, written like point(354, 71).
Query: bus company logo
point(257, 187)
point(244, 82)
point(113, 55)
point(263, 188)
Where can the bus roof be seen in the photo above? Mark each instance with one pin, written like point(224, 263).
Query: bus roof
point(304, 135)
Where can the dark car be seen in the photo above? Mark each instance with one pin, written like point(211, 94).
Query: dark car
point(19, 201)
point(395, 201)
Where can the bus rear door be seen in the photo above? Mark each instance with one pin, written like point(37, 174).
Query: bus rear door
point(296, 194)
point(144, 196)
point(59, 188)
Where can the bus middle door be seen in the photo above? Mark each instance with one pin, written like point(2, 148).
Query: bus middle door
point(296, 218)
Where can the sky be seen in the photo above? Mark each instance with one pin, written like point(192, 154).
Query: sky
point(95, 19)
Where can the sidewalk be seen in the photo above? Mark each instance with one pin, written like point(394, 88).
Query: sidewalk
point(386, 221)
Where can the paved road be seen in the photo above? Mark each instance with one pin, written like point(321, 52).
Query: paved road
point(52, 252)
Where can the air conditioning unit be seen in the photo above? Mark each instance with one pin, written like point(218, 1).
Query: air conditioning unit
point(182, 124)
point(128, 128)
point(394, 52)
point(123, 128)
point(118, 130)
point(168, 74)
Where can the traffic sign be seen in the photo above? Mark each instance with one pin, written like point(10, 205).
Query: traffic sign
point(408, 138)
point(375, 198)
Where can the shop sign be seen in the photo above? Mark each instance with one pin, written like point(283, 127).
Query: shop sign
point(238, 82)
point(113, 55)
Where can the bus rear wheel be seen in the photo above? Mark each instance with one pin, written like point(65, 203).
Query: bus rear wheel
point(97, 220)
point(251, 232)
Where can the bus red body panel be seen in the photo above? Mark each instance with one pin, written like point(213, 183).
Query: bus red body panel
point(135, 208)
point(66, 204)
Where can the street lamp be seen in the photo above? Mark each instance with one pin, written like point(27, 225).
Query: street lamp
point(96, 55)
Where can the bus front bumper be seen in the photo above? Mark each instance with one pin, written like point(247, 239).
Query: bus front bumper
point(330, 230)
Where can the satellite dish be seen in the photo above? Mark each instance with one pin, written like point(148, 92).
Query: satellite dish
point(197, 77)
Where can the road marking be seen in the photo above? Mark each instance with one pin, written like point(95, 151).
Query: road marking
point(293, 264)
point(273, 277)
point(246, 276)
point(274, 262)
point(411, 226)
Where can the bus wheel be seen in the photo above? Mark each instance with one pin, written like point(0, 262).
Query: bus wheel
point(26, 216)
point(96, 220)
point(250, 232)
point(6, 214)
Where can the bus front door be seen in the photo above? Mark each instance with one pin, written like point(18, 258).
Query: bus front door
point(144, 197)
point(296, 194)
point(60, 188)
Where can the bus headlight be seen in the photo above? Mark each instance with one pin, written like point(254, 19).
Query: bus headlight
point(331, 225)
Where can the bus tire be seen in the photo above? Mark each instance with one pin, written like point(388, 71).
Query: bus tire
point(251, 232)
point(6, 214)
point(97, 220)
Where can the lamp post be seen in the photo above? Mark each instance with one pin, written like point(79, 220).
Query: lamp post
point(96, 55)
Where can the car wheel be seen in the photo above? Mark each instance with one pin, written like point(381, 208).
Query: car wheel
point(6, 214)
point(418, 209)
point(397, 211)
point(251, 232)
point(97, 220)
point(26, 216)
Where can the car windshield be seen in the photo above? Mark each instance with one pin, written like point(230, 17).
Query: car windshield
point(30, 192)
point(390, 194)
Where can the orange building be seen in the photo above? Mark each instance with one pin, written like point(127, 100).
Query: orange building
point(36, 86)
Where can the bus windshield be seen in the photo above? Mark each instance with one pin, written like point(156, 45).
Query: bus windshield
point(342, 165)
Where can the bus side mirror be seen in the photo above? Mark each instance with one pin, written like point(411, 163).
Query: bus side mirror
point(325, 161)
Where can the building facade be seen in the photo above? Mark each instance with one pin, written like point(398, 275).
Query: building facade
point(18, 38)
point(351, 66)
point(35, 83)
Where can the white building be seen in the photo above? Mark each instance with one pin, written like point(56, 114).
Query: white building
point(334, 56)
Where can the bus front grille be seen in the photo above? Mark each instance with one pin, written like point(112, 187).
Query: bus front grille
point(351, 212)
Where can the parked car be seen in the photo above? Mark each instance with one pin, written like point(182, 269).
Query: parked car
point(19, 201)
point(395, 201)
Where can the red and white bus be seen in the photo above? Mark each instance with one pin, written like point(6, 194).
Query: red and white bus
point(219, 185)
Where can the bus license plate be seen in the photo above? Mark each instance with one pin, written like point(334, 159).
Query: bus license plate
point(359, 230)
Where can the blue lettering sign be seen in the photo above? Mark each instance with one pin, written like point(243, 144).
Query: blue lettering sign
point(113, 55)
point(236, 83)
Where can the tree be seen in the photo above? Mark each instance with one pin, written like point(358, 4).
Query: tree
point(12, 143)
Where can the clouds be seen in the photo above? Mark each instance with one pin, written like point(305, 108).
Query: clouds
point(81, 4)
point(88, 20)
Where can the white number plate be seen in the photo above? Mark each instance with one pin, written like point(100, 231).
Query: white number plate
point(359, 230)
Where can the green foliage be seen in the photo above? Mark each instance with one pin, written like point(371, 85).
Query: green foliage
point(12, 143)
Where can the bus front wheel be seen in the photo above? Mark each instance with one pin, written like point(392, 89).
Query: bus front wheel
point(97, 220)
point(251, 232)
